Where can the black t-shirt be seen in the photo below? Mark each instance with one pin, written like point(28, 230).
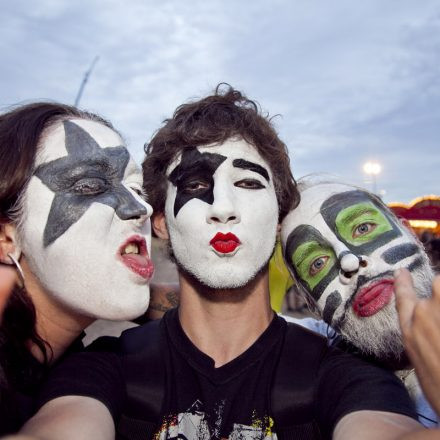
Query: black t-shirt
point(18, 398)
point(236, 400)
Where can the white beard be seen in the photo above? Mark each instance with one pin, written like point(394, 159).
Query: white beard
point(380, 335)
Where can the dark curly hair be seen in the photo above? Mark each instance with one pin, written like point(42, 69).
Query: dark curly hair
point(226, 114)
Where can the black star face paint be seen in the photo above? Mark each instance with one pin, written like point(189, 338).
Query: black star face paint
point(86, 231)
point(222, 213)
point(342, 245)
point(193, 177)
point(88, 174)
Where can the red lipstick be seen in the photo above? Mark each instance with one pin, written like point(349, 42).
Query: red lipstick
point(225, 243)
point(373, 298)
point(134, 254)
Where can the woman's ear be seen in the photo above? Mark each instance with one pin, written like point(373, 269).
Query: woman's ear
point(8, 243)
point(160, 226)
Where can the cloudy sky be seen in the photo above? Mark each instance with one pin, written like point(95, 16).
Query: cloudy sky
point(350, 81)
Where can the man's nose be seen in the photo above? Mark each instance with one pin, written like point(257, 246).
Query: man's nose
point(224, 208)
point(350, 265)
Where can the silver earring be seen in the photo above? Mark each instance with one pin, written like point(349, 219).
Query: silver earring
point(19, 269)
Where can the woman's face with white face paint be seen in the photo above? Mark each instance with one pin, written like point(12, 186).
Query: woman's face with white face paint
point(343, 246)
point(85, 232)
point(222, 213)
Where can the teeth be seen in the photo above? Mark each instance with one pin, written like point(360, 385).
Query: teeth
point(131, 248)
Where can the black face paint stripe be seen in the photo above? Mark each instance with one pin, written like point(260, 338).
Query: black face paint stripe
point(195, 165)
point(416, 264)
point(343, 254)
point(302, 234)
point(87, 161)
point(332, 302)
point(323, 284)
point(78, 141)
point(399, 252)
point(247, 165)
point(336, 203)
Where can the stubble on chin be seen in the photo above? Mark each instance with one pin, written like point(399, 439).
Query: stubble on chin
point(224, 295)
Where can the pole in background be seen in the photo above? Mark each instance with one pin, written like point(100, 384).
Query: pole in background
point(84, 81)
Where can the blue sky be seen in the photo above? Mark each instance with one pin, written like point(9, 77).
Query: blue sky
point(350, 81)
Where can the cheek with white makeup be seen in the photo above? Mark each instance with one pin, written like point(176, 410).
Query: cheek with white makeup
point(87, 240)
point(218, 200)
point(347, 225)
point(83, 269)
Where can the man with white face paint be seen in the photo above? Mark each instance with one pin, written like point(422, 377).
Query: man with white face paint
point(218, 197)
point(342, 245)
point(219, 179)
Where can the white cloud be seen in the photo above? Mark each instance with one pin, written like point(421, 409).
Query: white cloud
point(351, 80)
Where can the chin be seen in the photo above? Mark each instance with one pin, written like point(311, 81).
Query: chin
point(224, 276)
point(378, 335)
point(134, 304)
point(224, 279)
point(125, 312)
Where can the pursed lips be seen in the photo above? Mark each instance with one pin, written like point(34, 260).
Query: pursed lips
point(225, 243)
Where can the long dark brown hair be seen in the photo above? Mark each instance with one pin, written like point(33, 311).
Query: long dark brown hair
point(21, 132)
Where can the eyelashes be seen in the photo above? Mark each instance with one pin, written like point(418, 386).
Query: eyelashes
point(195, 187)
point(249, 184)
point(199, 186)
point(90, 186)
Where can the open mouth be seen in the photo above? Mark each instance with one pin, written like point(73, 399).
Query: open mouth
point(373, 298)
point(133, 253)
point(225, 243)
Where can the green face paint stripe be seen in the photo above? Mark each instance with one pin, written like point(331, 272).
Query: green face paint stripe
point(300, 235)
point(303, 234)
point(305, 255)
point(350, 218)
point(336, 203)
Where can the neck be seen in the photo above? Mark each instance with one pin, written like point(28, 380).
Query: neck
point(55, 324)
point(224, 323)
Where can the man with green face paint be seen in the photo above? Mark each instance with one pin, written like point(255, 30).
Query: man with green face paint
point(342, 245)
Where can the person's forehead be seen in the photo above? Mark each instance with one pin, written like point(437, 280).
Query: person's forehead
point(311, 201)
point(235, 149)
point(313, 198)
point(309, 209)
point(231, 149)
point(53, 145)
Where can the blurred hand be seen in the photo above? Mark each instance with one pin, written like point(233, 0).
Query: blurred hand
point(420, 325)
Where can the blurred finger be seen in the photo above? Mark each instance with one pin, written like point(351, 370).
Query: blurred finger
point(436, 288)
point(406, 297)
